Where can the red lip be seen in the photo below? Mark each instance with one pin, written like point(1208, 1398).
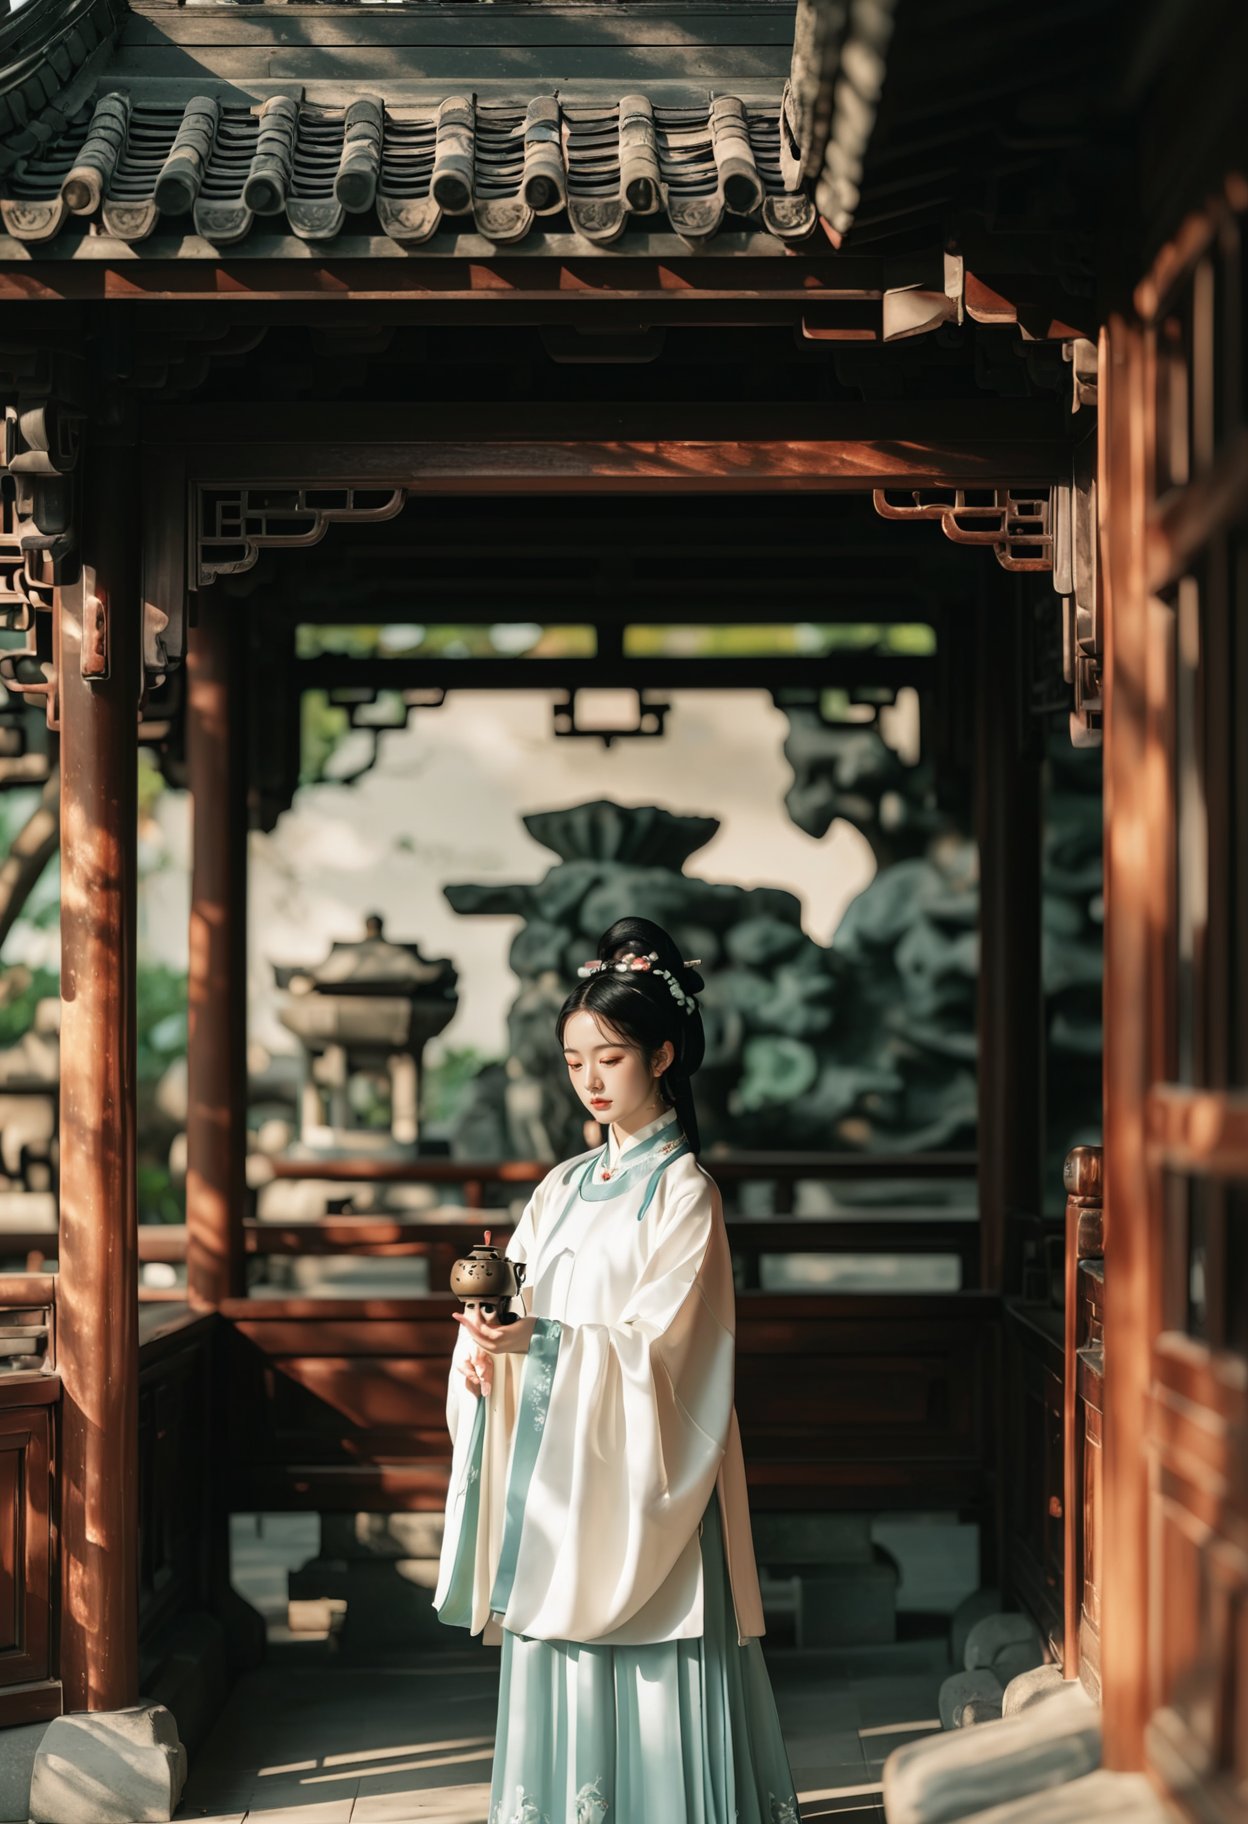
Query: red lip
point(602, 1102)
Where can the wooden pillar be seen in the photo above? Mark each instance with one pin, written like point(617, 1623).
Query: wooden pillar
point(1134, 863)
point(1010, 1081)
point(97, 1287)
point(216, 1135)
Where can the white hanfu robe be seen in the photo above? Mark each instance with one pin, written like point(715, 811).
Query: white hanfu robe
point(578, 1485)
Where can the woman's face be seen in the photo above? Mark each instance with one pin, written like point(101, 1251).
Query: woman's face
point(614, 1081)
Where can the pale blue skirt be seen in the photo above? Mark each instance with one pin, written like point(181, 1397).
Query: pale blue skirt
point(679, 1732)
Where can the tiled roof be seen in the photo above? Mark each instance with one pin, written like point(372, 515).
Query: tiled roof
point(47, 69)
point(216, 167)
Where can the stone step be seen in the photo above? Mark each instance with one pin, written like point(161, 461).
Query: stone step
point(1008, 1643)
point(844, 1605)
point(950, 1777)
point(1120, 1798)
point(1028, 1688)
point(972, 1608)
point(970, 1697)
point(783, 1539)
point(367, 1604)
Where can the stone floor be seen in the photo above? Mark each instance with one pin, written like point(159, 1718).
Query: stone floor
point(305, 1741)
point(322, 1734)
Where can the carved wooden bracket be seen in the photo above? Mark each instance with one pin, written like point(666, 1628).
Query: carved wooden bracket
point(31, 670)
point(234, 524)
point(1076, 579)
point(1054, 532)
point(1016, 527)
point(39, 553)
point(649, 724)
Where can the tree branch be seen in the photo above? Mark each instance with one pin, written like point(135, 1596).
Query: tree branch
point(33, 847)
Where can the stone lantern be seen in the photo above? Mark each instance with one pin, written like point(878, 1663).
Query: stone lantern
point(363, 1017)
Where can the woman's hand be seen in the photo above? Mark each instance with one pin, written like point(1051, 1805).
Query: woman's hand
point(478, 1372)
point(493, 1339)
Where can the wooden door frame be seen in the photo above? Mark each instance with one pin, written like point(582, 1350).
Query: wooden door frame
point(1173, 1408)
point(202, 473)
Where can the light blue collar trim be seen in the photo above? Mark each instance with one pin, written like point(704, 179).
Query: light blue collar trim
point(617, 1153)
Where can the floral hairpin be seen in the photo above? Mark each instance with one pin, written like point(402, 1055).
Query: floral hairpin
point(633, 959)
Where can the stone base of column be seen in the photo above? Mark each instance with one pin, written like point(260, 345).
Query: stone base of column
point(104, 1767)
point(956, 1775)
point(191, 1678)
point(1098, 1798)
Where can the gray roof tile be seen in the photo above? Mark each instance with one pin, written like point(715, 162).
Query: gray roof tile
point(127, 159)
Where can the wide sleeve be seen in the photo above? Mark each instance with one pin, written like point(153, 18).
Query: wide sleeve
point(459, 1402)
point(621, 1430)
point(481, 1433)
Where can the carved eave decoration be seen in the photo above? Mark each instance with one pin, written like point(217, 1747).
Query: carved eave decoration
point(42, 429)
point(1053, 530)
point(233, 525)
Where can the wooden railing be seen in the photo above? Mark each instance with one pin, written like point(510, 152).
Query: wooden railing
point(1054, 1393)
point(868, 1400)
point(1084, 1415)
point(175, 1404)
point(30, 1391)
point(858, 1401)
point(177, 1366)
point(784, 1170)
point(441, 1234)
point(443, 1240)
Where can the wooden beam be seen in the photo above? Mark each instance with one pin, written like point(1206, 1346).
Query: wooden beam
point(731, 1168)
point(504, 27)
point(741, 278)
point(315, 426)
point(763, 672)
point(823, 466)
point(884, 1232)
point(611, 449)
point(97, 1303)
point(1192, 1130)
point(216, 1131)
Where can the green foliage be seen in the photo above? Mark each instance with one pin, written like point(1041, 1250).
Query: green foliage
point(779, 638)
point(157, 1198)
point(450, 639)
point(322, 726)
point(447, 1083)
point(151, 786)
point(41, 908)
point(161, 1003)
point(21, 990)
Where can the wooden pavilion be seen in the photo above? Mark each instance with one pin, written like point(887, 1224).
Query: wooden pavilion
point(671, 286)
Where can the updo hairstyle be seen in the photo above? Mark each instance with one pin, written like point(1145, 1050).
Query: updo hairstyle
point(637, 1007)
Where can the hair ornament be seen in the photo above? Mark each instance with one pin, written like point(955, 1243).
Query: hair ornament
point(633, 960)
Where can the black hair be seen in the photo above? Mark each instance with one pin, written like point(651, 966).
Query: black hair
point(640, 1007)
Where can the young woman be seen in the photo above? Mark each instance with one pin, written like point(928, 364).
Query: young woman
point(597, 1522)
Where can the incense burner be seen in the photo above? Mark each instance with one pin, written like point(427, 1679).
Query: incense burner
point(486, 1281)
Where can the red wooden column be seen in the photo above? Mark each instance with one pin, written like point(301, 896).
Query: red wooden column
point(1133, 866)
point(217, 992)
point(97, 1288)
point(1011, 1002)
